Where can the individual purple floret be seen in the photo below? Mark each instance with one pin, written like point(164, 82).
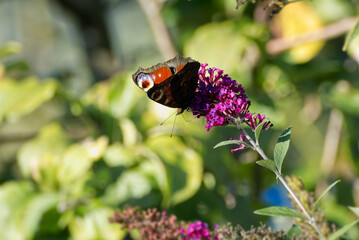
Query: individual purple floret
point(241, 146)
point(253, 121)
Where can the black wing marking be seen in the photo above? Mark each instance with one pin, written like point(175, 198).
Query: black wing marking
point(184, 84)
point(161, 93)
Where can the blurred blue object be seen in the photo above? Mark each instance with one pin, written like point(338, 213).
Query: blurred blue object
point(275, 195)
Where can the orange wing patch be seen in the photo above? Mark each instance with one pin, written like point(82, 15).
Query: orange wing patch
point(161, 74)
point(179, 67)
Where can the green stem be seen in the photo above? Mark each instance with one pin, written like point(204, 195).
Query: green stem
point(310, 218)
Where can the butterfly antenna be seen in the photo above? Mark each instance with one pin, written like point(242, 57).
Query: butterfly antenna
point(194, 117)
point(167, 118)
point(173, 127)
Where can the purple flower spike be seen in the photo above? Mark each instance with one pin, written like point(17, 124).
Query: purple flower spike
point(222, 101)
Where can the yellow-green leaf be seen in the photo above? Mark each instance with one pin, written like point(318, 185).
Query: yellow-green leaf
point(279, 211)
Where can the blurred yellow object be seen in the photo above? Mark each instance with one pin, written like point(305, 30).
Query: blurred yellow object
point(2, 71)
point(298, 18)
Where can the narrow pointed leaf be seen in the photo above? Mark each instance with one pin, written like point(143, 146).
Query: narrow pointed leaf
point(279, 211)
point(343, 230)
point(355, 210)
point(258, 130)
point(322, 195)
point(228, 142)
point(281, 148)
point(267, 164)
point(352, 34)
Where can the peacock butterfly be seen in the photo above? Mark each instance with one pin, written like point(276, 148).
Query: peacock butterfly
point(172, 83)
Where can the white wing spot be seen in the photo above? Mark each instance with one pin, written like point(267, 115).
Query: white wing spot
point(145, 81)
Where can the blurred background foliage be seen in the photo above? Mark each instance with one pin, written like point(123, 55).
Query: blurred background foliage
point(78, 139)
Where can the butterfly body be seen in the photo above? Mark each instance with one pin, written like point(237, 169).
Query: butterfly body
point(172, 83)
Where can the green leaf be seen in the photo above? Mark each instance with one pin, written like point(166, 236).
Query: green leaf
point(352, 34)
point(281, 148)
point(116, 97)
point(19, 65)
point(117, 155)
point(121, 95)
point(322, 195)
point(129, 132)
point(18, 98)
point(132, 184)
point(94, 224)
point(346, 101)
point(202, 44)
point(258, 130)
point(279, 211)
point(183, 168)
point(343, 230)
point(36, 207)
point(76, 161)
point(355, 210)
point(50, 161)
point(267, 164)
point(9, 49)
point(228, 142)
point(294, 231)
point(34, 155)
point(22, 209)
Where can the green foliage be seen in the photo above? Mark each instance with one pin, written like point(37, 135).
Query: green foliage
point(323, 194)
point(269, 164)
point(116, 97)
point(258, 131)
point(9, 49)
point(225, 46)
point(279, 211)
point(345, 99)
point(22, 208)
point(94, 225)
point(343, 230)
point(355, 210)
point(281, 148)
point(21, 98)
point(54, 163)
point(228, 142)
point(183, 166)
point(293, 232)
point(351, 36)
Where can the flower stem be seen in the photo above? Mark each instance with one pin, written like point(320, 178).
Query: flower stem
point(257, 148)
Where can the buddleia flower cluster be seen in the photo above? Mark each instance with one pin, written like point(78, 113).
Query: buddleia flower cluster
point(222, 101)
point(158, 225)
point(155, 225)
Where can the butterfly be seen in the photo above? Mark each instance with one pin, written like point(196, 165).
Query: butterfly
point(172, 83)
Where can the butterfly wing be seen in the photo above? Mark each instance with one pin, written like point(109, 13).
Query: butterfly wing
point(161, 93)
point(178, 90)
point(184, 84)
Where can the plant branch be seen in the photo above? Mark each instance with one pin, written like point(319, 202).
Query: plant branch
point(152, 9)
point(332, 141)
point(333, 30)
point(310, 219)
